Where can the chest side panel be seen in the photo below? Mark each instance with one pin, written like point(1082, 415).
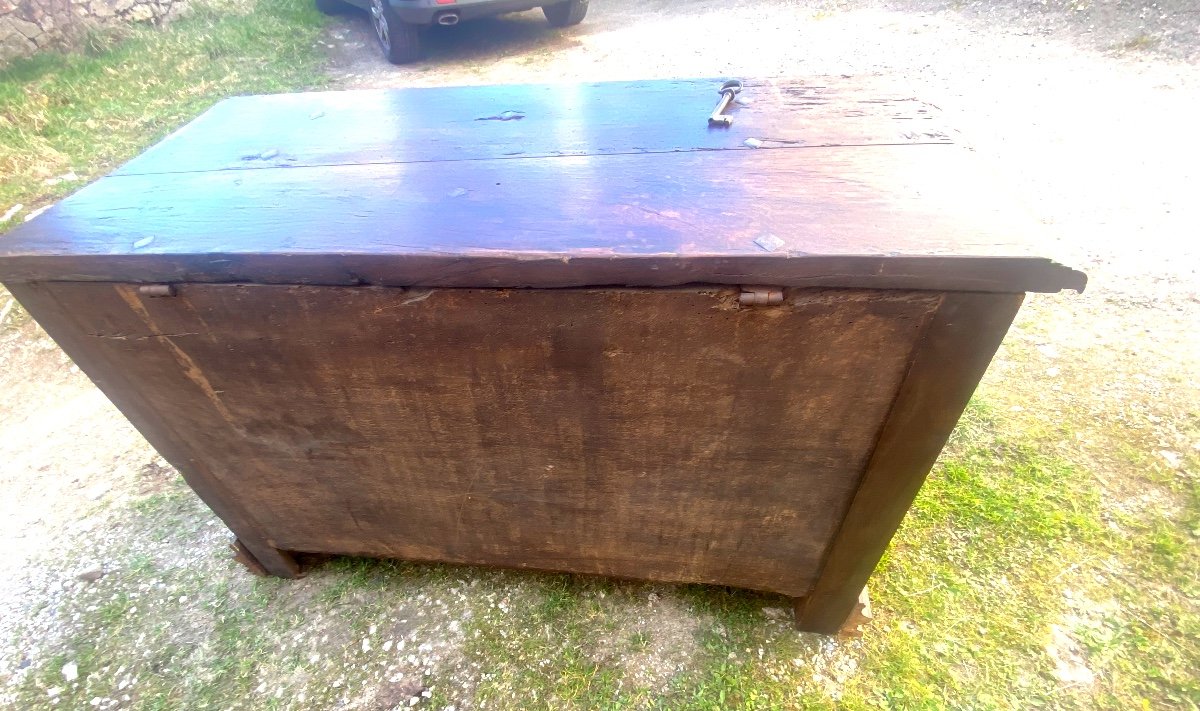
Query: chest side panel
point(662, 434)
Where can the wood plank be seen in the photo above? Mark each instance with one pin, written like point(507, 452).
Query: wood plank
point(70, 324)
point(885, 217)
point(467, 123)
point(949, 362)
point(655, 434)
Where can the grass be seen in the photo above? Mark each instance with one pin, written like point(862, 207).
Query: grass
point(1012, 555)
point(1141, 41)
point(89, 111)
point(1010, 558)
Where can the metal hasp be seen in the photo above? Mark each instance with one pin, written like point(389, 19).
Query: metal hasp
point(728, 90)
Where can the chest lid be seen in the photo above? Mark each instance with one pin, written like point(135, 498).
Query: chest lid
point(821, 182)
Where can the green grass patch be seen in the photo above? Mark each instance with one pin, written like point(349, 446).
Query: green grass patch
point(1007, 552)
point(89, 111)
point(1004, 544)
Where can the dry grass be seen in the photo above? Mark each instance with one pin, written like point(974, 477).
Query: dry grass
point(79, 115)
point(1051, 561)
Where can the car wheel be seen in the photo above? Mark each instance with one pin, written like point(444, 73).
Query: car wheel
point(332, 7)
point(565, 14)
point(399, 40)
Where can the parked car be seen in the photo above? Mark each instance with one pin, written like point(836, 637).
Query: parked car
point(398, 22)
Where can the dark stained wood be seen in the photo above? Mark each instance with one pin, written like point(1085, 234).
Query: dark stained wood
point(411, 324)
point(948, 363)
point(120, 381)
point(661, 434)
point(475, 123)
point(881, 217)
point(242, 555)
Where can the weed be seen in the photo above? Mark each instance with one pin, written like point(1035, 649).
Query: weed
point(84, 113)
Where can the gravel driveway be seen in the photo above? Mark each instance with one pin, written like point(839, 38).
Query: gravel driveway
point(1087, 110)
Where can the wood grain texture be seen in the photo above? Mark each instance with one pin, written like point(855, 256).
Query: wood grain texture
point(500, 325)
point(947, 364)
point(656, 434)
point(883, 217)
point(539, 120)
point(69, 324)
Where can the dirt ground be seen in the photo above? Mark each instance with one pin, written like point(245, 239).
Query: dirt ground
point(1087, 110)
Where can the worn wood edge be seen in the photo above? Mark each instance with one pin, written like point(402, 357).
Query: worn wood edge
point(852, 628)
point(110, 379)
point(703, 85)
point(511, 270)
point(707, 83)
point(860, 616)
point(319, 553)
point(948, 363)
point(242, 554)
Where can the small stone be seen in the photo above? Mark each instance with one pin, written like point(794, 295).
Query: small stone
point(1170, 457)
point(387, 646)
point(70, 671)
point(95, 701)
point(366, 645)
point(91, 573)
point(54, 691)
point(414, 701)
point(753, 143)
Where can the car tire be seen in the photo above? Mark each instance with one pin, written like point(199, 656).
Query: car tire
point(332, 7)
point(399, 40)
point(565, 14)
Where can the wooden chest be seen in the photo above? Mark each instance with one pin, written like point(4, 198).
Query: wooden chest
point(557, 327)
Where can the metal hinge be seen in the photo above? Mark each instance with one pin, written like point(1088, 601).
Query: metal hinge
point(760, 295)
point(156, 290)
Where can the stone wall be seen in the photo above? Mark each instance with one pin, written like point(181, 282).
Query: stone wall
point(28, 26)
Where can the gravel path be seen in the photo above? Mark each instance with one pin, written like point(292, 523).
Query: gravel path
point(1087, 110)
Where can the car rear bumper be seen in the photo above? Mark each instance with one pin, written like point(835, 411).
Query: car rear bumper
point(425, 12)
